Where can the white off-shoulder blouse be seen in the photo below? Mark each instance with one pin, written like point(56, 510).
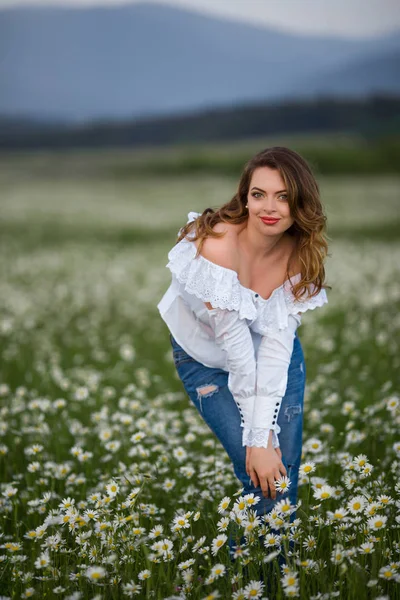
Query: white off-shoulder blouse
point(244, 334)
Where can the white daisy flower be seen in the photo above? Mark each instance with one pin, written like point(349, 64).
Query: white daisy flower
point(337, 555)
point(223, 505)
point(371, 508)
point(253, 589)
point(95, 573)
point(218, 570)
point(310, 542)
point(112, 488)
point(186, 564)
point(366, 470)
point(240, 504)
point(163, 546)
point(292, 591)
point(223, 524)
point(251, 499)
point(387, 573)
point(289, 579)
point(168, 485)
point(43, 560)
point(307, 468)
point(145, 574)
point(284, 507)
point(272, 540)
point(356, 505)
point(218, 542)
point(378, 522)
point(199, 543)
point(180, 522)
point(156, 531)
point(366, 548)
point(326, 491)
point(359, 461)
point(385, 499)
point(282, 484)
point(314, 445)
point(339, 514)
point(392, 403)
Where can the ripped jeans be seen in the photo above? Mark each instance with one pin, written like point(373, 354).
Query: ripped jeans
point(208, 390)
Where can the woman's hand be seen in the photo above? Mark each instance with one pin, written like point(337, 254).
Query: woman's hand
point(264, 466)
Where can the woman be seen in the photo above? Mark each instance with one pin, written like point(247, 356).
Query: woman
point(241, 278)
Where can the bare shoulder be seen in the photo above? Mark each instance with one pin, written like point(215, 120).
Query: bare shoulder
point(223, 250)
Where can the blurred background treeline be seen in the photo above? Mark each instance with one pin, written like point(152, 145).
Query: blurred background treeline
point(337, 136)
point(149, 75)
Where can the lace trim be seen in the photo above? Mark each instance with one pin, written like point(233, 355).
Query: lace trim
point(259, 436)
point(208, 281)
point(221, 286)
point(294, 306)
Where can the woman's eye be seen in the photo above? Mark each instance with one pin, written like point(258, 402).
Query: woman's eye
point(256, 194)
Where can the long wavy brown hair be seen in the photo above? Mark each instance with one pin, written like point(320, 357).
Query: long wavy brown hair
point(309, 227)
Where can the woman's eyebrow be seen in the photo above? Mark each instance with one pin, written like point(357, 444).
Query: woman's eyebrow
point(257, 188)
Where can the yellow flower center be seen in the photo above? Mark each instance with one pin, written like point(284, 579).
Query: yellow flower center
point(388, 574)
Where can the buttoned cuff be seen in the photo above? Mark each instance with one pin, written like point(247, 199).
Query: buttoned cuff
point(266, 411)
point(246, 408)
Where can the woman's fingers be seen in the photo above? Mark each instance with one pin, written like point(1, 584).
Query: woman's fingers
point(272, 489)
point(282, 469)
point(268, 483)
point(254, 478)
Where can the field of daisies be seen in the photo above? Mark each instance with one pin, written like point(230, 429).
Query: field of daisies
point(111, 484)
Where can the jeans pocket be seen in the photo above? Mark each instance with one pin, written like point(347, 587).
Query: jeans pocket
point(180, 357)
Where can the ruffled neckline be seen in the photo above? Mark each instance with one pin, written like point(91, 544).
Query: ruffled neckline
point(220, 286)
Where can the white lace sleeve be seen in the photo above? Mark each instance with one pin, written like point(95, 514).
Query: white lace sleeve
point(273, 360)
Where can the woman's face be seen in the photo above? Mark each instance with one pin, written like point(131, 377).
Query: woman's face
point(267, 197)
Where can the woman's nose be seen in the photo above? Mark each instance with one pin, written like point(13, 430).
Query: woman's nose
point(270, 203)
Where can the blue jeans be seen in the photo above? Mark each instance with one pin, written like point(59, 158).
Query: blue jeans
point(220, 412)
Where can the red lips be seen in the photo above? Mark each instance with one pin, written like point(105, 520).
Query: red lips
point(269, 221)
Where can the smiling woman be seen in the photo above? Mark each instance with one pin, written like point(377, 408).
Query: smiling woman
point(241, 278)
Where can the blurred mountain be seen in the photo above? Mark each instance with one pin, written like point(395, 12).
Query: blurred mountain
point(131, 61)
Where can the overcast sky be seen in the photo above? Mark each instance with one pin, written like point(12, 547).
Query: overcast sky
point(349, 18)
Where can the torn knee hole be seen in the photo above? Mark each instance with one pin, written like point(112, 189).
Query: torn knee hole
point(207, 390)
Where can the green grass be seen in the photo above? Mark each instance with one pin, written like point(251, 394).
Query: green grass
point(86, 365)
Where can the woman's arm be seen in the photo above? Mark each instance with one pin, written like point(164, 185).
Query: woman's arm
point(232, 334)
point(273, 360)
